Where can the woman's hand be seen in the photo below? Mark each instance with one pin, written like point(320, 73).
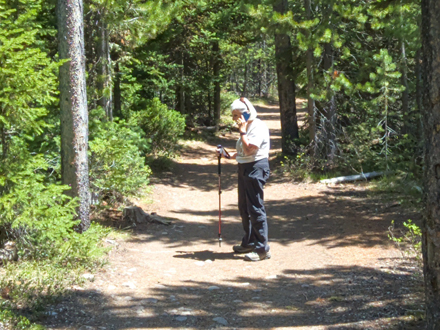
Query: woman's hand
point(242, 124)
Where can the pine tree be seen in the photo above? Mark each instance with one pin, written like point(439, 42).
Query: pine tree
point(286, 85)
point(431, 119)
point(73, 104)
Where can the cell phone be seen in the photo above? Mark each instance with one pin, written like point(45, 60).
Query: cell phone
point(246, 115)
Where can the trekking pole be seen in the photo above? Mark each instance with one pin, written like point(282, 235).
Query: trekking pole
point(219, 147)
point(221, 152)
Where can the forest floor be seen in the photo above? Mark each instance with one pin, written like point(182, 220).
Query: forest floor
point(332, 265)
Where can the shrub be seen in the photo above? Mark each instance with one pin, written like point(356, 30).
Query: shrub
point(117, 168)
point(408, 241)
point(162, 127)
point(39, 217)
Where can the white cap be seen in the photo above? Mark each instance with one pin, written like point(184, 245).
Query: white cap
point(238, 105)
point(243, 106)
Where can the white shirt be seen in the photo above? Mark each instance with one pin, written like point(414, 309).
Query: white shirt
point(258, 135)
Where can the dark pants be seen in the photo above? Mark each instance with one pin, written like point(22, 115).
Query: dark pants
point(251, 180)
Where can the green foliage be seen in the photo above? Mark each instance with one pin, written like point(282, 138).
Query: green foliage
point(9, 320)
point(409, 240)
point(34, 283)
point(226, 100)
point(28, 79)
point(117, 166)
point(161, 126)
point(39, 217)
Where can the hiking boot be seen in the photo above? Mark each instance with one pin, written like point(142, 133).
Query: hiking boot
point(242, 249)
point(254, 256)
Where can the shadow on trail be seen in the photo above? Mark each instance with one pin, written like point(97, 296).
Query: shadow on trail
point(334, 297)
point(206, 255)
point(335, 218)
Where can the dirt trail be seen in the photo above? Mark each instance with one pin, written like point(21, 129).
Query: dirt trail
point(332, 264)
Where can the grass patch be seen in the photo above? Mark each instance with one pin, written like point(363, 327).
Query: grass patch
point(29, 286)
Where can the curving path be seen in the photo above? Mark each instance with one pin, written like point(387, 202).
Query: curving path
point(332, 264)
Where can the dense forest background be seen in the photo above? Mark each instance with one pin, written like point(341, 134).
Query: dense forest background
point(156, 69)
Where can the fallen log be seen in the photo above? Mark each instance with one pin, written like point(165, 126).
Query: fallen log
point(351, 178)
point(135, 214)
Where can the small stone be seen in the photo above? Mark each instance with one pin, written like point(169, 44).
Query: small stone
point(200, 263)
point(255, 298)
point(53, 313)
point(244, 284)
point(164, 233)
point(88, 276)
point(213, 288)
point(87, 327)
point(220, 320)
point(131, 270)
point(208, 261)
point(139, 309)
point(181, 318)
point(129, 285)
point(127, 298)
point(238, 301)
point(271, 277)
point(149, 301)
point(111, 287)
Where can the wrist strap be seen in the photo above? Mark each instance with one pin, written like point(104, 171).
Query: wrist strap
point(242, 133)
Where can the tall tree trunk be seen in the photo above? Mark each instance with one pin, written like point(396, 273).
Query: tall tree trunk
point(217, 90)
point(431, 118)
point(405, 93)
point(330, 127)
point(419, 80)
point(5, 144)
point(286, 86)
point(180, 90)
point(90, 31)
point(104, 69)
point(259, 77)
point(310, 101)
point(244, 92)
point(117, 107)
point(73, 104)
point(419, 92)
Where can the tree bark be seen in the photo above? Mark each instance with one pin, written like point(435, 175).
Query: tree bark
point(244, 92)
point(117, 107)
point(330, 129)
point(405, 93)
point(286, 86)
point(5, 143)
point(431, 119)
point(180, 91)
point(259, 77)
point(419, 85)
point(217, 89)
point(104, 69)
point(310, 101)
point(73, 104)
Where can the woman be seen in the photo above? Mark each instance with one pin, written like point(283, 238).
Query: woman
point(253, 170)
